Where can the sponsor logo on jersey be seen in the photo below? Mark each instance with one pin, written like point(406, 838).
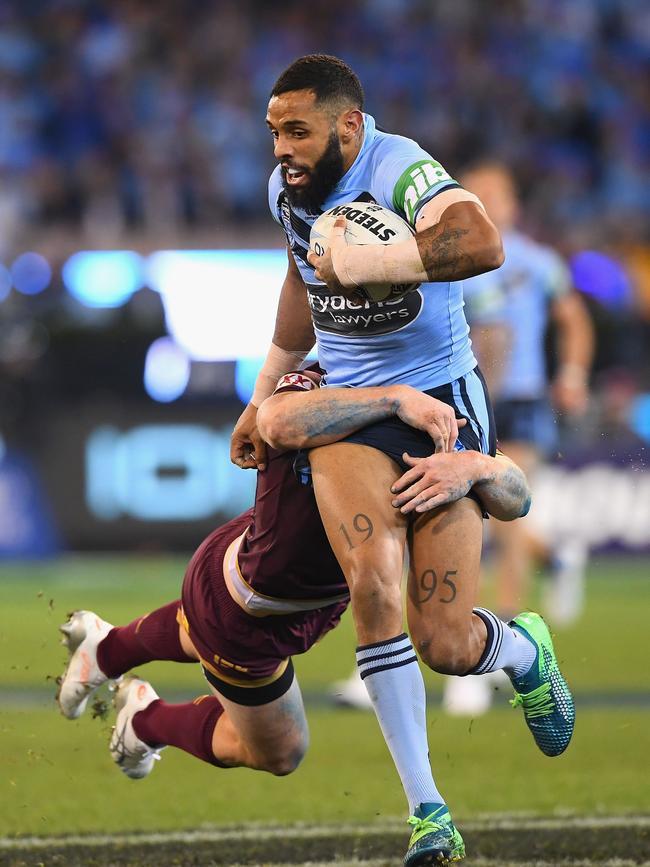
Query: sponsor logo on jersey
point(356, 215)
point(295, 380)
point(338, 315)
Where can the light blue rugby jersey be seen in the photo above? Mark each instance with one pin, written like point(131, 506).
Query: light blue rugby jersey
point(531, 277)
point(422, 339)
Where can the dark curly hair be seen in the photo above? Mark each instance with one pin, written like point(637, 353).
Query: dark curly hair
point(330, 78)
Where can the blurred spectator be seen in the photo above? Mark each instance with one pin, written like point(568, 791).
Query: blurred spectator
point(122, 113)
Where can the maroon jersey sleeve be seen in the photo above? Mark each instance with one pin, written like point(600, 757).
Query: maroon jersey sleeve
point(299, 380)
point(285, 553)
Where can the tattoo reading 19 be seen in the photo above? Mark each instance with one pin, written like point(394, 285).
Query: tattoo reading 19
point(363, 527)
point(429, 584)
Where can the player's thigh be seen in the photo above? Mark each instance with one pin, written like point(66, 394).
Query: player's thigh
point(445, 555)
point(269, 730)
point(352, 486)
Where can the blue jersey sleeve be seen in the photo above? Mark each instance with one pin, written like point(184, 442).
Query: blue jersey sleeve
point(409, 177)
point(557, 276)
point(485, 299)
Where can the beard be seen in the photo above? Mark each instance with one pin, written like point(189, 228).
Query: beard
point(325, 175)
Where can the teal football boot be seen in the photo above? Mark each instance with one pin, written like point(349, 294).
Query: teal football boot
point(542, 692)
point(434, 839)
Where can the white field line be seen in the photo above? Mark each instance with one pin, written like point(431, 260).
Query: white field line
point(305, 832)
point(476, 862)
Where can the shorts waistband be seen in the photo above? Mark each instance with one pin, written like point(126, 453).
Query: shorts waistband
point(257, 604)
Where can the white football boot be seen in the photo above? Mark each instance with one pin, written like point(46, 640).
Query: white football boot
point(135, 758)
point(351, 692)
point(81, 635)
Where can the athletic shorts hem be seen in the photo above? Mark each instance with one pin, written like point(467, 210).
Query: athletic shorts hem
point(252, 696)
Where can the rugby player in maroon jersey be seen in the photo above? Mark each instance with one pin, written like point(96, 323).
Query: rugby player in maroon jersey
point(258, 590)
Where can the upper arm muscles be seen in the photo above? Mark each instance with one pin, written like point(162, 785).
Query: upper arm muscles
point(462, 243)
point(299, 419)
point(431, 212)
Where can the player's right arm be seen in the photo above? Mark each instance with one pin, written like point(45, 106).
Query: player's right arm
point(309, 416)
point(292, 340)
point(440, 479)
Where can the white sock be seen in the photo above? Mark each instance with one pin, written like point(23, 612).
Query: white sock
point(390, 671)
point(505, 648)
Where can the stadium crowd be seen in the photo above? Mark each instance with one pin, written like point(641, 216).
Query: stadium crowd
point(127, 112)
point(124, 123)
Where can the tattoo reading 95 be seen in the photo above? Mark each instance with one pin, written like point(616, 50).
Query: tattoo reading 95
point(429, 584)
point(362, 526)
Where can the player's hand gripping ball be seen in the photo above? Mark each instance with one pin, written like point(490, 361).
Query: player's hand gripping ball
point(365, 223)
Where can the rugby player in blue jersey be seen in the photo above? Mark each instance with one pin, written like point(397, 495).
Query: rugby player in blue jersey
point(537, 291)
point(330, 152)
point(258, 590)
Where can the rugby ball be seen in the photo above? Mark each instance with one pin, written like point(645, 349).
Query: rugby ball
point(365, 223)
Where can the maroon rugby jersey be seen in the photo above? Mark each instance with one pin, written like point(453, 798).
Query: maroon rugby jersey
point(285, 553)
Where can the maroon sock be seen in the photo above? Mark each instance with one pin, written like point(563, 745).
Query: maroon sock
point(154, 636)
point(186, 726)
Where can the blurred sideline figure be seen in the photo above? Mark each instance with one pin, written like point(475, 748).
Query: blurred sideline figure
point(534, 287)
point(261, 588)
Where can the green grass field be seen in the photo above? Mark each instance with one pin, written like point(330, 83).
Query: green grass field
point(57, 778)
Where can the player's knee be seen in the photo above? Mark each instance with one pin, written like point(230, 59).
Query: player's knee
point(286, 760)
point(445, 654)
point(282, 766)
point(282, 756)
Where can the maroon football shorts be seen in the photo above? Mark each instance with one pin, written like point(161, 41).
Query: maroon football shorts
point(246, 658)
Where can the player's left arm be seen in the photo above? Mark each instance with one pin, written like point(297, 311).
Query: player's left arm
point(444, 478)
point(454, 239)
point(569, 388)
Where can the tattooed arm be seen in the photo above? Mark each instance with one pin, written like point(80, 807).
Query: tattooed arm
point(462, 242)
point(318, 417)
point(440, 479)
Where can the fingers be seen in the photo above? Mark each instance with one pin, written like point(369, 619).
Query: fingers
point(443, 430)
point(433, 502)
point(453, 433)
point(260, 451)
point(439, 437)
point(338, 230)
point(316, 262)
point(248, 455)
point(428, 497)
point(409, 477)
point(236, 450)
point(407, 497)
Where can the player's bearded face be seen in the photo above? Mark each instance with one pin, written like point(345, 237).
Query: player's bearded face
point(326, 172)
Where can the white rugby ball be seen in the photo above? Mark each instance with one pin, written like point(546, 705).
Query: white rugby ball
point(365, 223)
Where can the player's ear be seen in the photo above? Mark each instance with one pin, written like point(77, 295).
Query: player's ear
point(350, 123)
